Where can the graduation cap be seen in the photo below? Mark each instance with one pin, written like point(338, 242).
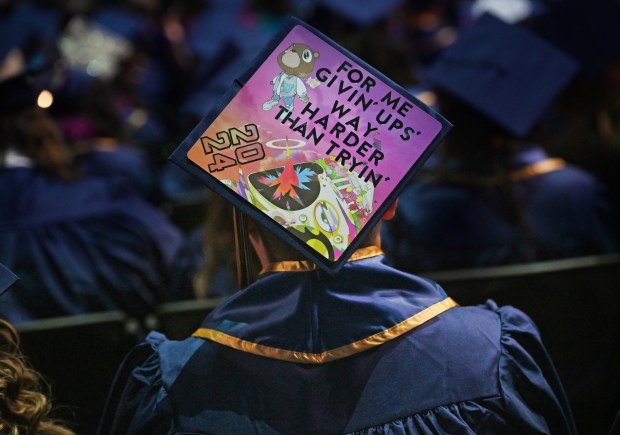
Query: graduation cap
point(504, 71)
point(213, 75)
point(122, 22)
point(30, 18)
point(32, 31)
point(511, 11)
point(293, 143)
point(590, 33)
point(7, 279)
point(363, 13)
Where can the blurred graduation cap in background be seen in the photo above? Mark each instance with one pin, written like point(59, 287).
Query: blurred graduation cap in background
point(28, 38)
point(362, 13)
point(504, 71)
point(27, 22)
point(7, 279)
point(510, 11)
point(213, 78)
point(588, 32)
point(216, 25)
point(122, 22)
point(226, 40)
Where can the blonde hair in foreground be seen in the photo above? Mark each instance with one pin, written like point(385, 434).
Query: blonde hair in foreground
point(24, 406)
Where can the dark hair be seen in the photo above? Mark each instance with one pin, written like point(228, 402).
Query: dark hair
point(218, 245)
point(278, 250)
point(478, 142)
point(35, 134)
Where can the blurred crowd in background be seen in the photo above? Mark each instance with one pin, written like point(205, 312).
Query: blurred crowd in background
point(93, 216)
point(95, 95)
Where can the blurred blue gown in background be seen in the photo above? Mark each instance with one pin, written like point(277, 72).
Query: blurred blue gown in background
point(89, 245)
point(551, 210)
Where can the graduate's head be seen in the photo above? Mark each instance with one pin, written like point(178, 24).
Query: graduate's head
point(27, 127)
point(270, 248)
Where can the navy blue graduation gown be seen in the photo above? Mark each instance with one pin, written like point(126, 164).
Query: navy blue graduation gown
point(371, 350)
point(94, 244)
point(125, 163)
point(456, 223)
point(190, 258)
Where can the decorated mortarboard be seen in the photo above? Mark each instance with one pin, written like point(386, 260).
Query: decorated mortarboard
point(313, 143)
point(504, 71)
point(590, 33)
point(7, 279)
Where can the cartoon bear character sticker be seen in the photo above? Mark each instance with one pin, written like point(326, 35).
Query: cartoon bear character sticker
point(296, 62)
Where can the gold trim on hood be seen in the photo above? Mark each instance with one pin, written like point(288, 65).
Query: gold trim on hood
point(334, 354)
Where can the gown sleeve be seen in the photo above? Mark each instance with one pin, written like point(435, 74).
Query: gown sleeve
point(138, 402)
point(531, 398)
point(530, 385)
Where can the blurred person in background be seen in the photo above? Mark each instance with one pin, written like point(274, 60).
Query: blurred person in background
point(85, 110)
point(79, 243)
point(585, 127)
point(204, 266)
point(496, 196)
point(153, 77)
